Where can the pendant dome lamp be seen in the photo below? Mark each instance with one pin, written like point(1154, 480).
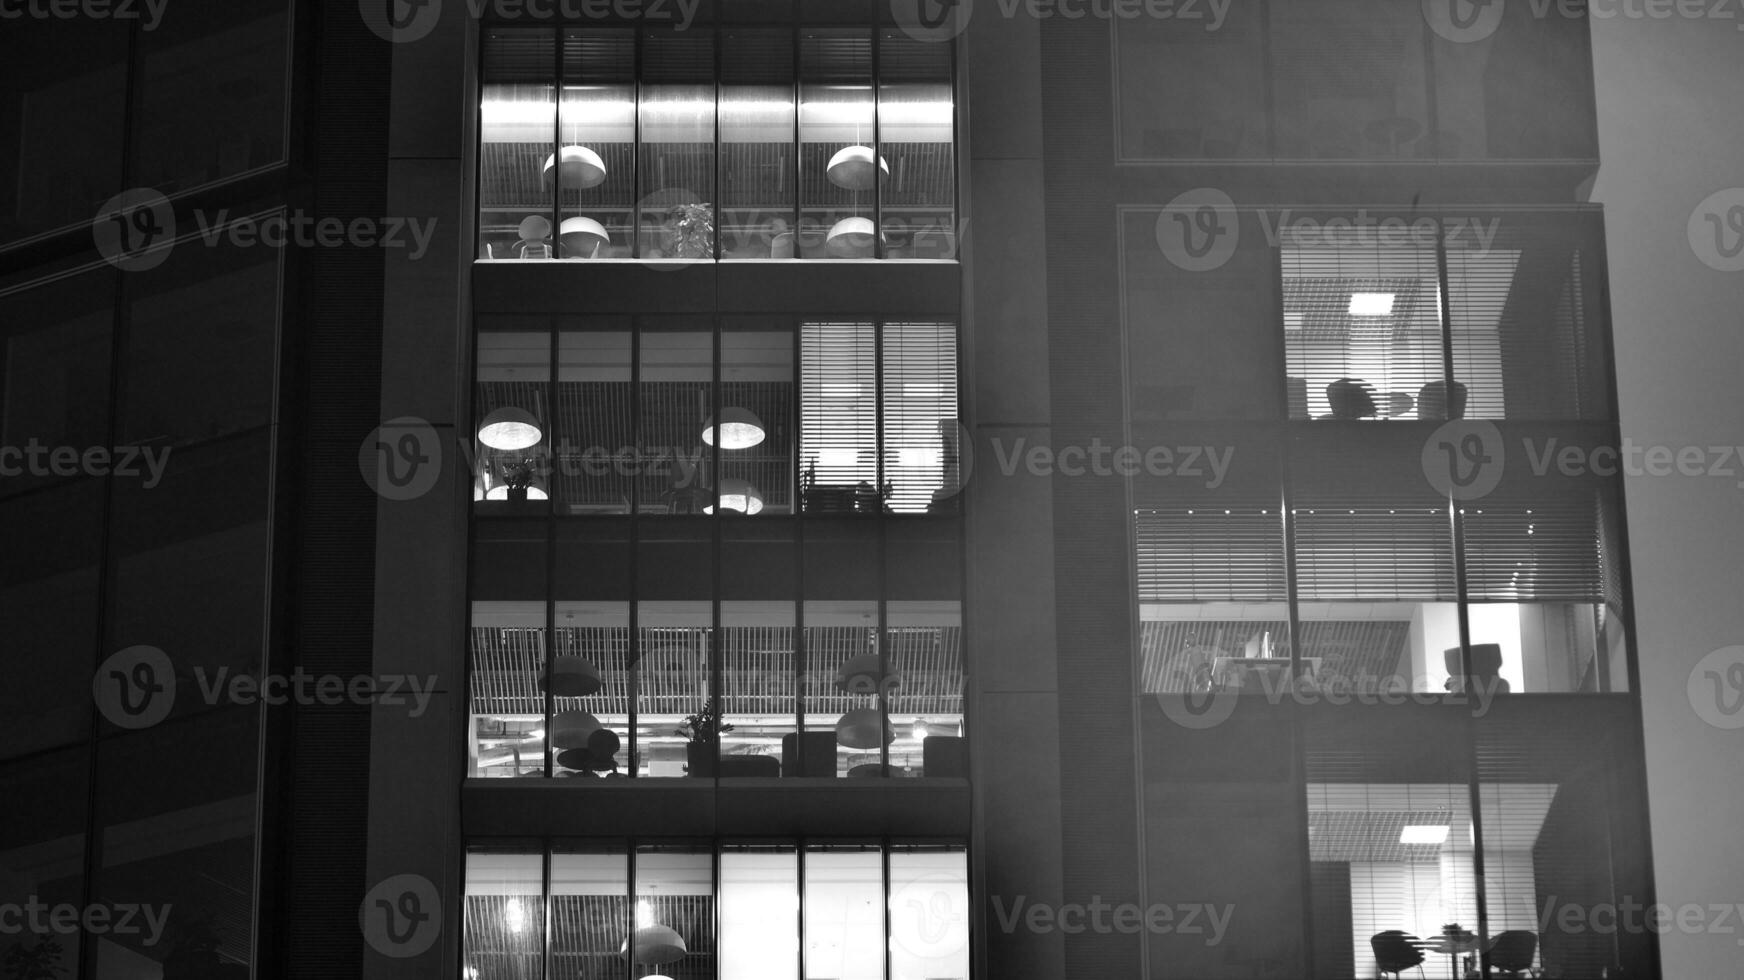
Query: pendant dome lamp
point(739, 428)
point(509, 428)
point(861, 675)
point(863, 728)
point(851, 168)
point(572, 729)
point(582, 237)
point(581, 167)
point(850, 238)
point(505, 492)
point(737, 496)
point(573, 677)
point(654, 945)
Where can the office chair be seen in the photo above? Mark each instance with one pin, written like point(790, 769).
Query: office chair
point(1511, 953)
point(1396, 952)
point(1350, 398)
point(1436, 400)
point(1486, 670)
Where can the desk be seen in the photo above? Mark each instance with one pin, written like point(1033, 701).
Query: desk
point(1450, 946)
point(1256, 675)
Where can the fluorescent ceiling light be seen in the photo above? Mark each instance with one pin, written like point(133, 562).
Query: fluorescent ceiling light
point(1371, 304)
point(838, 458)
point(1424, 834)
point(917, 457)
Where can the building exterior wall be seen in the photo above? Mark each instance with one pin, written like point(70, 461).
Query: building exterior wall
point(1675, 321)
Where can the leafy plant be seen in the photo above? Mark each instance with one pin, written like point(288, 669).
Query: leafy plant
point(194, 953)
point(39, 962)
point(704, 726)
point(690, 231)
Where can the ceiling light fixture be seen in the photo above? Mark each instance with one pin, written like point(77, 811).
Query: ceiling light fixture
point(509, 429)
point(740, 428)
point(501, 492)
point(861, 728)
point(737, 495)
point(656, 945)
point(1371, 304)
point(582, 237)
point(581, 167)
point(851, 168)
point(850, 238)
point(1423, 834)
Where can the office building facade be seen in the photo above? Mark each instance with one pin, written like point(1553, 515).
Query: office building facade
point(821, 490)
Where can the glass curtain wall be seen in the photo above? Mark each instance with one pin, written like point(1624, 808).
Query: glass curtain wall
point(826, 142)
point(619, 910)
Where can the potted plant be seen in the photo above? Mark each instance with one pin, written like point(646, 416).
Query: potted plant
point(195, 954)
point(690, 231)
point(517, 476)
point(703, 732)
point(39, 962)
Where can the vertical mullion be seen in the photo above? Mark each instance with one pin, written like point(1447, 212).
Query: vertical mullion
point(877, 151)
point(120, 320)
point(716, 652)
point(878, 341)
point(883, 586)
point(884, 859)
point(1431, 97)
point(550, 522)
point(636, 41)
point(1269, 79)
point(715, 900)
point(799, 852)
point(719, 71)
point(1456, 520)
point(884, 645)
point(958, 227)
point(558, 40)
point(630, 908)
point(1593, 237)
point(1286, 486)
point(633, 645)
point(545, 905)
point(1456, 524)
point(798, 147)
point(1474, 790)
point(800, 655)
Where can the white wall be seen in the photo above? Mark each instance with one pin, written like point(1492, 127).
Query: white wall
point(1671, 133)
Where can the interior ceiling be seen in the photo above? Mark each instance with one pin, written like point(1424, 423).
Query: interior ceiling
point(1318, 282)
point(1352, 651)
point(1362, 822)
point(672, 678)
